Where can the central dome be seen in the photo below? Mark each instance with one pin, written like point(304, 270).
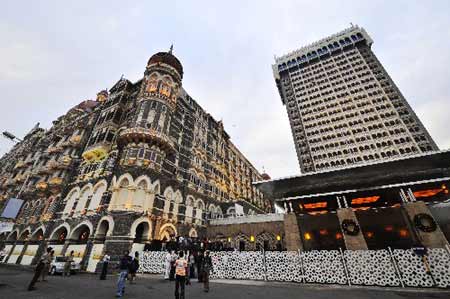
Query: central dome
point(167, 58)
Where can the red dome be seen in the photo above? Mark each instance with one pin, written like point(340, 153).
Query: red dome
point(167, 58)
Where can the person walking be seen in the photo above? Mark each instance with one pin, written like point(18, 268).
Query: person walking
point(105, 261)
point(48, 258)
point(173, 258)
point(168, 263)
point(181, 268)
point(124, 266)
point(191, 265)
point(68, 264)
point(199, 266)
point(207, 268)
point(134, 266)
point(39, 268)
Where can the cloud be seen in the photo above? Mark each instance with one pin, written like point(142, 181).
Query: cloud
point(58, 54)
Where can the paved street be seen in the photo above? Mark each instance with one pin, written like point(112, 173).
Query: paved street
point(13, 283)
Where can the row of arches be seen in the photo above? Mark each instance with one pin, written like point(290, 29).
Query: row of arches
point(82, 200)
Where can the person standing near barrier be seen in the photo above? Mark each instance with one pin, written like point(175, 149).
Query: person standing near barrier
point(134, 266)
point(48, 258)
point(167, 265)
point(105, 261)
point(199, 266)
point(38, 270)
point(191, 265)
point(207, 267)
point(181, 270)
point(124, 266)
point(68, 264)
point(173, 258)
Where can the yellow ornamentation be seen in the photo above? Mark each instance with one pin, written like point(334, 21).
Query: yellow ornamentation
point(55, 181)
point(96, 154)
point(42, 186)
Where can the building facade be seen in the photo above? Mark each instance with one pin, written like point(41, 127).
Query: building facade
point(143, 163)
point(343, 107)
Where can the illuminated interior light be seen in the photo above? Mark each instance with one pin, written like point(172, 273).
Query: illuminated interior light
point(317, 212)
point(316, 205)
point(389, 228)
point(369, 234)
point(278, 238)
point(426, 193)
point(403, 233)
point(307, 236)
point(252, 238)
point(338, 236)
point(323, 232)
point(364, 200)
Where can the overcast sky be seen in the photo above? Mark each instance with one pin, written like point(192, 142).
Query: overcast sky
point(54, 54)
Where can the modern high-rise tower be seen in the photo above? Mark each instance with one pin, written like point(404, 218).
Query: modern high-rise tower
point(343, 107)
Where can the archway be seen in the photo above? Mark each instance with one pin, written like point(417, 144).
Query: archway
point(78, 240)
point(141, 232)
point(167, 232)
point(102, 230)
point(80, 235)
point(193, 233)
point(59, 235)
point(37, 236)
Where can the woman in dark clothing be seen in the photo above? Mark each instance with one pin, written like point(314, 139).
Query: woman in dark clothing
point(105, 261)
point(134, 266)
point(199, 262)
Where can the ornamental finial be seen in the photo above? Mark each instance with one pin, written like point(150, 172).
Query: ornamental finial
point(171, 49)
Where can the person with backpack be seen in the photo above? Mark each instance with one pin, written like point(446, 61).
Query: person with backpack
point(134, 266)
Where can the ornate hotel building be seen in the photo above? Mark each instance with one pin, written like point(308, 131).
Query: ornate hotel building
point(143, 162)
point(343, 107)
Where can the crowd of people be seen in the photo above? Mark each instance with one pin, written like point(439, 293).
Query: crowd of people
point(180, 266)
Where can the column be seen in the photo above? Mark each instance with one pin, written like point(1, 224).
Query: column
point(432, 239)
point(354, 241)
point(87, 254)
point(292, 238)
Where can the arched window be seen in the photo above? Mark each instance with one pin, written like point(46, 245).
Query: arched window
point(97, 196)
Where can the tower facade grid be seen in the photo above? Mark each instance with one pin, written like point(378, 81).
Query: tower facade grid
point(343, 107)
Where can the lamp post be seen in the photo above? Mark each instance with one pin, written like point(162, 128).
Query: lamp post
point(10, 136)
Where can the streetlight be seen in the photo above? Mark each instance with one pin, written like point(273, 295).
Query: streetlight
point(11, 136)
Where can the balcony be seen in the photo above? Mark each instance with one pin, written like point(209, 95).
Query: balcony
point(41, 186)
point(75, 141)
point(97, 152)
point(19, 179)
point(55, 182)
point(19, 165)
point(44, 170)
point(54, 149)
point(149, 136)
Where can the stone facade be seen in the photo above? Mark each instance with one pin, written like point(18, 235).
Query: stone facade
point(143, 162)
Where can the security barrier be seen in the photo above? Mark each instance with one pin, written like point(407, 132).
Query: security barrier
point(360, 267)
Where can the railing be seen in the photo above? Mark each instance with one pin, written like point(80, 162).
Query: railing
point(398, 267)
point(247, 219)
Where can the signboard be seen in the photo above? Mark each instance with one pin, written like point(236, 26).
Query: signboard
point(238, 209)
point(12, 208)
point(6, 226)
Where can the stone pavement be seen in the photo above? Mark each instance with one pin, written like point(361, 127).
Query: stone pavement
point(13, 282)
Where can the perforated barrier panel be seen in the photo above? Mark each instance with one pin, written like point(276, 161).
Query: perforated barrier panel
point(360, 267)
